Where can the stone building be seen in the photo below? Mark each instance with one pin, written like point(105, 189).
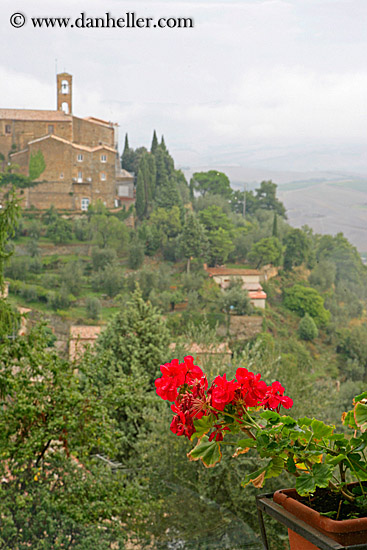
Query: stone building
point(250, 279)
point(81, 155)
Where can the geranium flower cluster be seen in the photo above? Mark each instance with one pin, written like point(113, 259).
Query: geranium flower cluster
point(186, 386)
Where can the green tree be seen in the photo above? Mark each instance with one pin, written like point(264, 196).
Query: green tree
point(109, 280)
point(303, 299)
point(136, 338)
point(220, 246)
point(266, 198)
point(37, 165)
point(235, 299)
point(154, 145)
point(136, 253)
point(109, 231)
point(93, 308)
point(297, 248)
point(101, 257)
point(168, 194)
point(145, 186)
point(212, 182)
point(56, 494)
point(307, 328)
point(275, 226)
point(193, 240)
point(213, 218)
point(128, 157)
point(60, 231)
point(9, 217)
point(266, 251)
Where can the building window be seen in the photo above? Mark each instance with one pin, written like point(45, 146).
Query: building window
point(80, 176)
point(80, 157)
point(62, 175)
point(103, 176)
point(7, 129)
point(123, 191)
point(51, 129)
point(65, 107)
point(85, 204)
point(64, 87)
point(103, 158)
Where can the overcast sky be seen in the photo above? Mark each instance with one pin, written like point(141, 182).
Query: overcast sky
point(254, 81)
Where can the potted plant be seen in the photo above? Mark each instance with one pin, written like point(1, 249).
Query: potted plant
point(330, 469)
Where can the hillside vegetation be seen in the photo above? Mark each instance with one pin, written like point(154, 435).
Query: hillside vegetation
point(146, 284)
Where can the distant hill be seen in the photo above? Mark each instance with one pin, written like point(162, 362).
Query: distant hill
point(329, 207)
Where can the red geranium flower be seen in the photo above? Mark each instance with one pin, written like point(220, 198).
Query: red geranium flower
point(276, 398)
point(173, 376)
point(222, 392)
point(253, 389)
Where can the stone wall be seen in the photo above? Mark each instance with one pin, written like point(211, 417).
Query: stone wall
point(24, 131)
point(92, 134)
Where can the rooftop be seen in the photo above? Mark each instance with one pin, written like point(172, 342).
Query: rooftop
point(34, 114)
point(84, 332)
point(229, 271)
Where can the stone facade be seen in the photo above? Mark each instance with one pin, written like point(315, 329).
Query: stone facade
point(81, 155)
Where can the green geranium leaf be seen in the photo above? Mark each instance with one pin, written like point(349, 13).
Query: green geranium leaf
point(335, 459)
point(202, 426)
point(291, 466)
point(348, 420)
point(320, 429)
point(304, 421)
point(207, 451)
point(338, 437)
point(270, 416)
point(244, 443)
point(360, 397)
point(319, 477)
point(288, 420)
point(360, 416)
point(275, 467)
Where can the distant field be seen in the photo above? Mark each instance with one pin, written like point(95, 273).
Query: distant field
point(329, 207)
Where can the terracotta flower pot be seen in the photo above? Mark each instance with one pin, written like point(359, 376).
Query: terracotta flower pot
point(345, 532)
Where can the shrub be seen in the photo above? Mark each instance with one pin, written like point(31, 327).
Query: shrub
point(304, 300)
point(101, 257)
point(307, 328)
point(61, 299)
point(136, 254)
point(109, 280)
point(18, 268)
point(82, 230)
point(60, 231)
point(93, 307)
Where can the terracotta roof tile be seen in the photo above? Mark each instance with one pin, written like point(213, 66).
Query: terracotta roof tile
point(194, 348)
point(84, 332)
point(100, 121)
point(257, 295)
point(228, 271)
point(74, 145)
point(34, 114)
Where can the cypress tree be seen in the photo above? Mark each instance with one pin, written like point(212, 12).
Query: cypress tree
point(154, 145)
point(127, 157)
point(161, 170)
point(141, 199)
point(163, 144)
point(168, 195)
point(275, 225)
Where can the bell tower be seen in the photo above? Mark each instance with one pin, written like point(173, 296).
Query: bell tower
point(64, 92)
